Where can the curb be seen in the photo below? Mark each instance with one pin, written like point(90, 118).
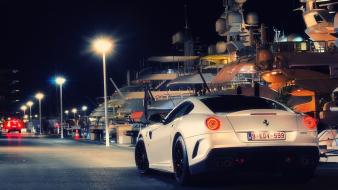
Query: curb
point(123, 146)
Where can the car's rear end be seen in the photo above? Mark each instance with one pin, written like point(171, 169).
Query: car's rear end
point(253, 133)
point(13, 125)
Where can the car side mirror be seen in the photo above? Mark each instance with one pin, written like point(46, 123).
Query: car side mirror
point(156, 118)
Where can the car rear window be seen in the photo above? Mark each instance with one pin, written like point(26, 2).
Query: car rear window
point(221, 104)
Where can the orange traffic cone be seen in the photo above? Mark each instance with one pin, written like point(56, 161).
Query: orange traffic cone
point(77, 135)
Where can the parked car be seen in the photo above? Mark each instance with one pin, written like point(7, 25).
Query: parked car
point(215, 134)
point(13, 124)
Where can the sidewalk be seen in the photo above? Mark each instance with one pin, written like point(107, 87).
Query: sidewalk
point(112, 144)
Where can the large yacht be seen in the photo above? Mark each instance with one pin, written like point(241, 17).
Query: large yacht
point(290, 69)
point(296, 71)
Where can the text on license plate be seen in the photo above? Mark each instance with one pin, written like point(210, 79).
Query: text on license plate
point(266, 135)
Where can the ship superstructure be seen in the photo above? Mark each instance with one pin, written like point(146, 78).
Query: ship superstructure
point(291, 69)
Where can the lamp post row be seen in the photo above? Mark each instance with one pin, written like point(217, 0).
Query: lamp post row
point(102, 46)
point(39, 96)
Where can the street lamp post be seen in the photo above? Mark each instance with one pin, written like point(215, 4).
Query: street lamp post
point(60, 81)
point(66, 112)
point(104, 45)
point(23, 108)
point(30, 104)
point(84, 109)
point(74, 111)
point(39, 96)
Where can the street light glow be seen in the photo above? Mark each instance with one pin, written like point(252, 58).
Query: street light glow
point(39, 96)
point(74, 110)
point(66, 112)
point(84, 108)
point(23, 108)
point(29, 103)
point(60, 80)
point(103, 45)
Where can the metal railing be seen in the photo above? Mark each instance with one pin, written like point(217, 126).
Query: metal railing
point(303, 46)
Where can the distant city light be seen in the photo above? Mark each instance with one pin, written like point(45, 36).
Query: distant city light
point(66, 112)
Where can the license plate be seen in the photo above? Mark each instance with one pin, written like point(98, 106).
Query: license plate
point(266, 136)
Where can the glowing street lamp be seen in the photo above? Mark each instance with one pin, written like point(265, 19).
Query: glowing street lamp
point(23, 108)
point(67, 113)
point(103, 46)
point(84, 109)
point(39, 96)
point(74, 111)
point(60, 81)
point(30, 104)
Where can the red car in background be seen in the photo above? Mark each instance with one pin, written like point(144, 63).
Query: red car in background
point(13, 125)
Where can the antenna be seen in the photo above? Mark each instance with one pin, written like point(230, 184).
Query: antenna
point(225, 3)
point(117, 89)
point(186, 15)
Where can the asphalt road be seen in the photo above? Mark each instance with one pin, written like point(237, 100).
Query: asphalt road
point(49, 163)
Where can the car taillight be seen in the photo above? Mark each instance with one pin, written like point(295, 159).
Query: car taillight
point(213, 123)
point(310, 122)
point(8, 124)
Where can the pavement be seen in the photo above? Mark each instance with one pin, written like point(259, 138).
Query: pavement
point(28, 162)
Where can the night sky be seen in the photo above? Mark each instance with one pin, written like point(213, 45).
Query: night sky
point(45, 38)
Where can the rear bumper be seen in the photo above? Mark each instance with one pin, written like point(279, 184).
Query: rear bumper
point(14, 129)
point(258, 158)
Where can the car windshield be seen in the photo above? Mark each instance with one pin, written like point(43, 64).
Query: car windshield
point(226, 104)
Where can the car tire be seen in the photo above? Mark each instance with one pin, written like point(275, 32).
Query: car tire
point(141, 158)
point(180, 162)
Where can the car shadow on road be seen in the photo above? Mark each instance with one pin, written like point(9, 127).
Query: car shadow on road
point(246, 181)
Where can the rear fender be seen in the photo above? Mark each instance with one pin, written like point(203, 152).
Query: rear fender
point(301, 126)
point(194, 124)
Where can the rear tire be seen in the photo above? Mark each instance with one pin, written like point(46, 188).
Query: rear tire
point(141, 158)
point(180, 162)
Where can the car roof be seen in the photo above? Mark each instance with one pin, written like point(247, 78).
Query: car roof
point(200, 98)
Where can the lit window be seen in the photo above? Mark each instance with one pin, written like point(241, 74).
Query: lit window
point(318, 18)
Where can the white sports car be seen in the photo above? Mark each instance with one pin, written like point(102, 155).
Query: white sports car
point(229, 133)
